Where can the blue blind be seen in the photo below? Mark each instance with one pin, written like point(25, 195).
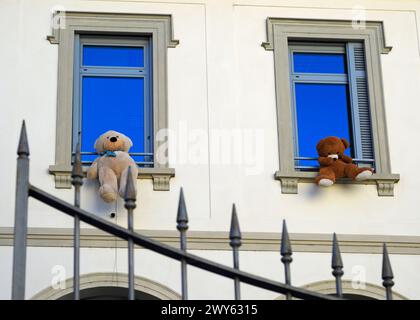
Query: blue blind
point(321, 110)
point(112, 103)
point(113, 56)
point(304, 62)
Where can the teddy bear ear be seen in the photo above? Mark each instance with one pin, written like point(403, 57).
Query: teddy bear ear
point(345, 142)
point(319, 145)
point(127, 143)
point(99, 145)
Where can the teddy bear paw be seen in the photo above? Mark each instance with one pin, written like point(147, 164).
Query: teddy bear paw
point(107, 194)
point(91, 174)
point(325, 182)
point(363, 175)
point(109, 197)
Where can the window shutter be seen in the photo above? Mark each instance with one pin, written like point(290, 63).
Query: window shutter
point(359, 95)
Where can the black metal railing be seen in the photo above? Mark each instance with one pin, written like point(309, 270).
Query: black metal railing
point(298, 166)
point(24, 190)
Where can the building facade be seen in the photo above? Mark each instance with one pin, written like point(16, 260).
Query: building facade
point(231, 95)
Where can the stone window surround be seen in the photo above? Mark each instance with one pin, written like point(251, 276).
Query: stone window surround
point(66, 25)
point(279, 32)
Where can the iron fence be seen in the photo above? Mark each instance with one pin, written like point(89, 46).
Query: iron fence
point(24, 190)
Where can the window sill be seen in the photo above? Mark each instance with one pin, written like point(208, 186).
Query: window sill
point(289, 181)
point(160, 176)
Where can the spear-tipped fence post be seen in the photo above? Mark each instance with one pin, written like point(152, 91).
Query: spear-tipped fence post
point(182, 226)
point(77, 181)
point(130, 205)
point(337, 266)
point(235, 242)
point(21, 217)
point(286, 253)
point(387, 274)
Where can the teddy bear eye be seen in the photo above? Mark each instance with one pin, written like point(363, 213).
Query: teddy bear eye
point(117, 136)
point(107, 137)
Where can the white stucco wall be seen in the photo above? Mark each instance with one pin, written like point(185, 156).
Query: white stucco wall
point(219, 77)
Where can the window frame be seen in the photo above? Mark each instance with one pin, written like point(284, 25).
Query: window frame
point(281, 31)
point(144, 72)
point(66, 25)
point(347, 78)
point(307, 77)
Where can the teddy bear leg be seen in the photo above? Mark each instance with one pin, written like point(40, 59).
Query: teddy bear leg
point(325, 178)
point(356, 173)
point(364, 175)
point(109, 186)
point(123, 180)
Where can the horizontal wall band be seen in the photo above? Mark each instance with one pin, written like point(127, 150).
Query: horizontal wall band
point(215, 240)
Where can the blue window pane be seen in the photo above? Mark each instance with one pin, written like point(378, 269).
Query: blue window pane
point(112, 103)
point(113, 56)
point(319, 62)
point(322, 111)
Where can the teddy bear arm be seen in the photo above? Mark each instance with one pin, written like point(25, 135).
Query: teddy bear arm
point(93, 170)
point(346, 159)
point(325, 161)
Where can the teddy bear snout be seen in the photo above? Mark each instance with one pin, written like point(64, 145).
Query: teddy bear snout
point(113, 139)
point(333, 156)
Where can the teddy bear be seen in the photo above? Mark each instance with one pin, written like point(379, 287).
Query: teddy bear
point(335, 164)
point(112, 166)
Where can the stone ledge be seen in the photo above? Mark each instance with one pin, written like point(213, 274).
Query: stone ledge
point(161, 176)
point(290, 180)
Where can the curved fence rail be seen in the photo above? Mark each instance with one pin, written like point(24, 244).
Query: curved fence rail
point(24, 190)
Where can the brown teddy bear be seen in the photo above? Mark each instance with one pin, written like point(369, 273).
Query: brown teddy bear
point(112, 166)
point(335, 164)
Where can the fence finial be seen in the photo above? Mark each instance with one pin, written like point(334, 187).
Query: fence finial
point(182, 216)
point(286, 256)
point(336, 262)
point(130, 204)
point(235, 232)
point(21, 217)
point(182, 226)
point(337, 266)
point(77, 171)
point(23, 147)
point(387, 274)
point(286, 247)
point(130, 191)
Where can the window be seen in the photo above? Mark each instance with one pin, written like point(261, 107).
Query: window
point(338, 63)
point(118, 59)
point(112, 91)
point(329, 92)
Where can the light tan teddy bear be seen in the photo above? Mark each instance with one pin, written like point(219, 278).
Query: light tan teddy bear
point(112, 166)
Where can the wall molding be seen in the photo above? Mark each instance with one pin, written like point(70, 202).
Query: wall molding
point(218, 240)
